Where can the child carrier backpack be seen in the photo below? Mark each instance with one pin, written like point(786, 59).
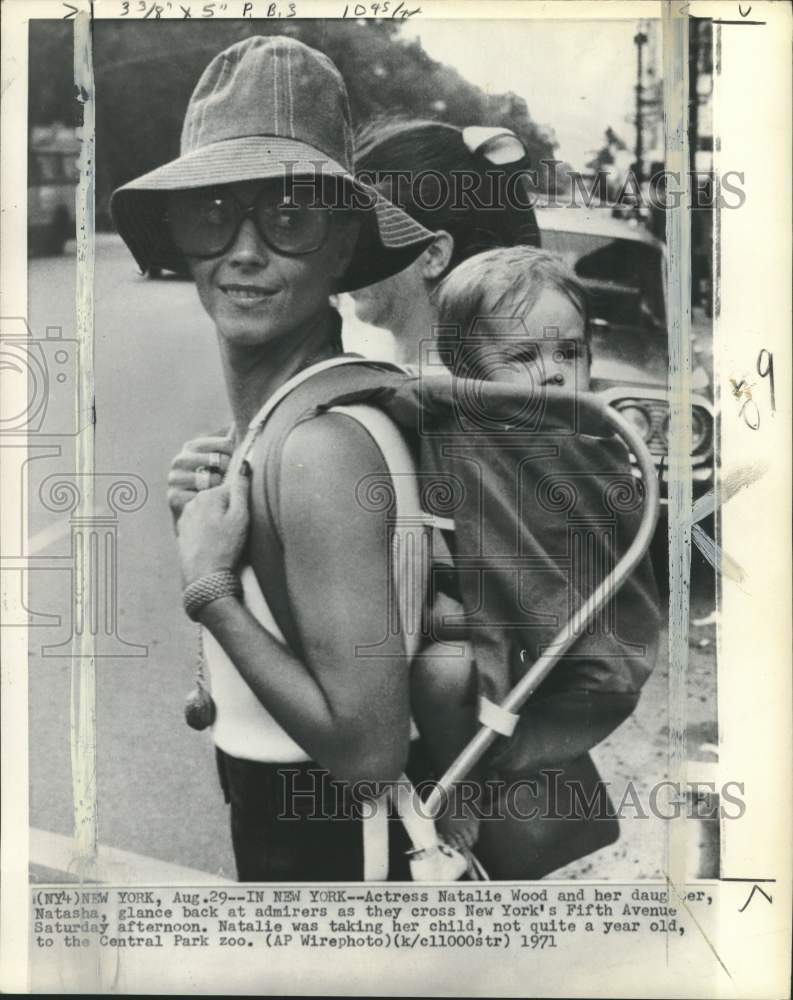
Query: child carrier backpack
point(547, 528)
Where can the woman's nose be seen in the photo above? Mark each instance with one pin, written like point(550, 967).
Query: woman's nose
point(249, 249)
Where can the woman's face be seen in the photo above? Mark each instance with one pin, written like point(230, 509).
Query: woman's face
point(256, 295)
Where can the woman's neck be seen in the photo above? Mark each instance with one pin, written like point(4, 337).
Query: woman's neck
point(413, 328)
point(253, 374)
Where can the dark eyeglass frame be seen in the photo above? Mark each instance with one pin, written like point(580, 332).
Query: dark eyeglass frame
point(244, 212)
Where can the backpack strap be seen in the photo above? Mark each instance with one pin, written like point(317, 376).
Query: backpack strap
point(256, 426)
point(431, 859)
point(410, 543)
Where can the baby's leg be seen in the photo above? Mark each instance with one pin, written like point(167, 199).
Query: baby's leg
point(443, 695)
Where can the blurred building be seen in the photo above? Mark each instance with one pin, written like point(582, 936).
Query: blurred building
point(650, 136)
point(52, 178)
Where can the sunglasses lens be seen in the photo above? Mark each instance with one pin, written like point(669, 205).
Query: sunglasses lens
point(204, 223)
point(293, 224)
point(503, 149)
point(201, 222)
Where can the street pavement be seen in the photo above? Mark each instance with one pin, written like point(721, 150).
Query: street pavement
point(157, 383)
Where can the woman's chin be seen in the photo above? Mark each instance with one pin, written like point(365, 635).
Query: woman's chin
point(246, 334)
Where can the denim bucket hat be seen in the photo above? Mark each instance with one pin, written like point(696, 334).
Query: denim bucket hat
point(264, 108)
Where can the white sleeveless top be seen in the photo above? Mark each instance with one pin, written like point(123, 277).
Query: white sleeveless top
point(243, 726)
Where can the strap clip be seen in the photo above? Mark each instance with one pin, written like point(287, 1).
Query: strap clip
point(497, 718)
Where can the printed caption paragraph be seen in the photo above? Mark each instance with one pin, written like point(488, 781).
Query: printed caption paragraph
point(339, 918)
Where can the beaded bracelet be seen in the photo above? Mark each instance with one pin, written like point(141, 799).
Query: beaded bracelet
point(209, 588)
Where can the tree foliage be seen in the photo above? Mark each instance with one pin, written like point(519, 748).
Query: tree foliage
point(145, 72)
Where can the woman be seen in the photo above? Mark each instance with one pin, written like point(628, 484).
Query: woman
point(468, 186)
point(262, 208)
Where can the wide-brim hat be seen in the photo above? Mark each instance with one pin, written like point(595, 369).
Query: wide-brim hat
point(268, 107)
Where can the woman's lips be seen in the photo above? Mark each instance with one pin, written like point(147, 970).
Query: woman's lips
point(246, 296)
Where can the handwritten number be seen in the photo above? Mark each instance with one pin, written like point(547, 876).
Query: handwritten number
point(377, 9)
point(752, 424)
point(767, 358)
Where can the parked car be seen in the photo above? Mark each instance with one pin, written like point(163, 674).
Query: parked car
point(623, 266)
point(52, 179)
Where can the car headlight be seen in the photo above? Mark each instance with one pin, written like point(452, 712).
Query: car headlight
point(638, 416)
point(699, 429)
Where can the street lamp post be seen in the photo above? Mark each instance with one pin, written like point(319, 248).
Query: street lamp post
point(639, 39)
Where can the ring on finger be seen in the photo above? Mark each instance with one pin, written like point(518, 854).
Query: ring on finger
point(216, 462)
point(203, 478)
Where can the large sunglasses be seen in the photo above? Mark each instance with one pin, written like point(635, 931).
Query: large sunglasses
point(205, 222)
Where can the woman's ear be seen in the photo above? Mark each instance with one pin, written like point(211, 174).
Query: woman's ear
point(435, 259)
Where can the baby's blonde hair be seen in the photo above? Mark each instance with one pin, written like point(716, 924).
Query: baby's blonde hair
point(505, 282)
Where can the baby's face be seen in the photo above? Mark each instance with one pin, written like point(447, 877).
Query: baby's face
point(554, 352)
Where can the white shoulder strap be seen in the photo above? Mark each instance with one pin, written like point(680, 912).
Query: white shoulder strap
point(410, 553)
point(431, 860)
point(258, 422)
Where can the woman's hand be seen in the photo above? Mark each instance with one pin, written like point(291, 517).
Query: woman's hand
point(213, 528)
point(206, 457)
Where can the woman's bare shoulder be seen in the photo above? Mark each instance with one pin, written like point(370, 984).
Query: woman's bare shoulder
point(333, 447)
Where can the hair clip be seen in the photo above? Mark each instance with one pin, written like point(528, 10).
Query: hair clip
point(496, 145)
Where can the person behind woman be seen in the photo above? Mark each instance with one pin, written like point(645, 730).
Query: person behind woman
point(468, 186)
point(267, 129)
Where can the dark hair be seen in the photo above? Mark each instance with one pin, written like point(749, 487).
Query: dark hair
point(506, 282)
point(426, 169)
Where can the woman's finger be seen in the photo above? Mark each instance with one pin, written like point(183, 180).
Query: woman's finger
point(184, 479)
point(225, 445)
point(178, 499)
point(192, 460)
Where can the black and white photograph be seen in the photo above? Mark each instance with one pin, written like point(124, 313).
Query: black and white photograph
point(390, 461)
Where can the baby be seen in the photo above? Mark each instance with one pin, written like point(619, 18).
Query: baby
point(520, 315)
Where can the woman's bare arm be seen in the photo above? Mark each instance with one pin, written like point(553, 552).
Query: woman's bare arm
point(346, 706)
